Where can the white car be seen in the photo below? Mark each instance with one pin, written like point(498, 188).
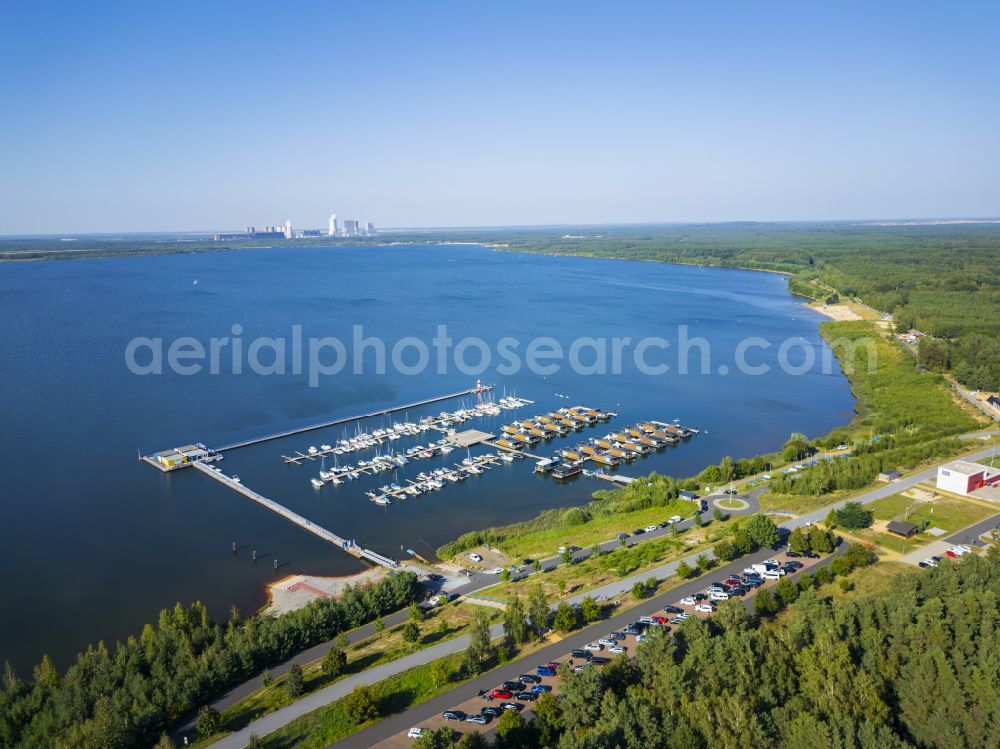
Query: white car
point(718, 596)
point(617, 649)
point(495, 571)
point(689, 601)
point(675, 519)
point(595, 647)
point(415, 733)
point(651, 528)
point(705, 608)
point(475, 557)
point(606, 642)
point(930, 562)
point(640, 638)
point(773, 575)
point(775, 562)
point(749, 571)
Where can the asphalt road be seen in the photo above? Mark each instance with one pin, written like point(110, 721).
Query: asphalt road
point(970, 536)
point(414, 716)
point(275, 720)
point(478, 581)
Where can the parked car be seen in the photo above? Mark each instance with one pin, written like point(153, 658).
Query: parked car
point(794, 565)
point(495, 571)
point(675, 519)
point(475, 558)
point(595, 647)
point(415, 733)
point(772, 575)
point(930, 562)
point(500, 694)
point(529, 679)
point(525, 696)
point(660, 619)
point(719, 597)
point(738, 590)
point(616, 636)
point(689, 601)
point(479, 719)
point(511, 686)
point(516, 706)
point(638, 532)
point(492, 711)
point(705, 608)
point(606, 642)
point(632, 630)
point(541, 688)
point(792, 554)
point(673, 609)
point(453, 715)
point(622, 536)
point(617, 649)
point(545, 671)
point(651, 528)
point(753, 582)
point(581, 653)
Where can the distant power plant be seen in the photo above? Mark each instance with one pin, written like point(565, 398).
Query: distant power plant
point(350, 228)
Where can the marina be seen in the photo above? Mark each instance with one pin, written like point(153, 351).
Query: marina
point(200, 456)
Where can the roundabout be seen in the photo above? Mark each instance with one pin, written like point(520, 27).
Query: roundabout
point(731, 503)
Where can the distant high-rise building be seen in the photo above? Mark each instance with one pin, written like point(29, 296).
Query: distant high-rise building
point(351, 227)
point(332, 229)
point(370, 230)
point(288, 229)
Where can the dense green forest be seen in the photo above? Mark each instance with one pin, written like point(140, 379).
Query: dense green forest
point(914, 667)
point(127, 696)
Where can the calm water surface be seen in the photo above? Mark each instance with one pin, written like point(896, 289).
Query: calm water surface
point(95, 543)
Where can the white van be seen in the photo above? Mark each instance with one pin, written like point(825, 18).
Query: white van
point(772, 575)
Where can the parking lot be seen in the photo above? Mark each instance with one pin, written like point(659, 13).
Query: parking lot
point(598, 643)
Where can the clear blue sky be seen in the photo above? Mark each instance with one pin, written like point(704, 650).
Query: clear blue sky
point(187, 116)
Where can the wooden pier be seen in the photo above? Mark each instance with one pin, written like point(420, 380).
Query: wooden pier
point(342, 543)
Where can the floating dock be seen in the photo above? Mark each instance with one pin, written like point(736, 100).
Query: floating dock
point(347, 419)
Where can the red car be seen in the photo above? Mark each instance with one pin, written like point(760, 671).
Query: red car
point(951, 554)
point(501, 694)
point(660, 619)
point(731, 582)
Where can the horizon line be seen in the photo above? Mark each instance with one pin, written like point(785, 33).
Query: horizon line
point(883, 221)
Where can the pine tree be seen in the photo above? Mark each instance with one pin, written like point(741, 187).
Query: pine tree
point(294, 682)
point(515, 623)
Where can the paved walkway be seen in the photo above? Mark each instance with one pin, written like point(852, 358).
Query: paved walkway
point(416, 715)
point(306, 704)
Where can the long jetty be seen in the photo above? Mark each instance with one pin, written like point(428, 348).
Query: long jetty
point(318, 530)
point(346, 419)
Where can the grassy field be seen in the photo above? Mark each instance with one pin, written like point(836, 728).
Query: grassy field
point(333, 722)
point(868, 581)
point(546, 542)
point(948, 513)
point(442, 624)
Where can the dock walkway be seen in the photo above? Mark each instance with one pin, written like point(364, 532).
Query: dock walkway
point(347, 419)
point(318, 530)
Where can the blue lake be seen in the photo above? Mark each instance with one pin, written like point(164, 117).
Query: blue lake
point(95, 542)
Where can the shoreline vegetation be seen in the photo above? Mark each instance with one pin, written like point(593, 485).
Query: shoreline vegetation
point(905, 416)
